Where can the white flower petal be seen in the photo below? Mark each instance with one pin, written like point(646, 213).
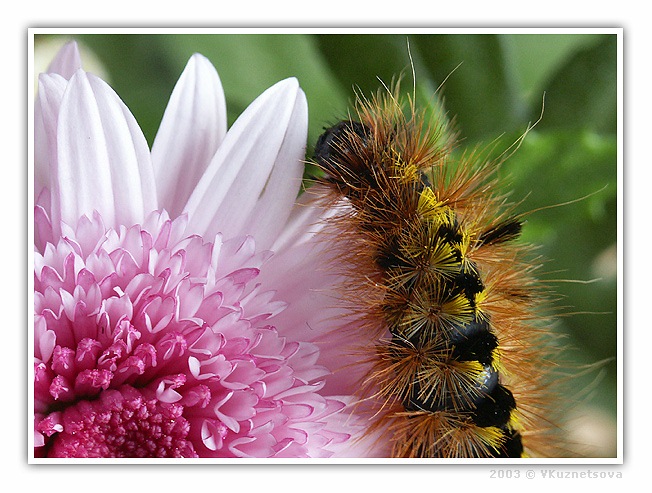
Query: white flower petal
point(228, 193)
point(280, 192)
point(306, 219)
point(67, 61)
point(46, 112)
point(193, 126)
point(103, 159)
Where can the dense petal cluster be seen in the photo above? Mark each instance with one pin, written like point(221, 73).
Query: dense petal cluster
point(147, 321)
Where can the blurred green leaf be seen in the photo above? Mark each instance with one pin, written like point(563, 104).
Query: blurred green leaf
point(364, 62)
point(583, 93)
point(577, 239)
point(536, 56)
point(481, 93)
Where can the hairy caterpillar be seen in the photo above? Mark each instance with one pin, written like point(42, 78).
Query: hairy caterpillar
point(446, 296)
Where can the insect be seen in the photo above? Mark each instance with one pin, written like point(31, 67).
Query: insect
point(459, 362)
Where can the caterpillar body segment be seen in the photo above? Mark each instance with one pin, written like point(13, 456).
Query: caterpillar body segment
point(458, 373)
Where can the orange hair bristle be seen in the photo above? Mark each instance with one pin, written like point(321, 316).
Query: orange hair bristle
point(445, 298)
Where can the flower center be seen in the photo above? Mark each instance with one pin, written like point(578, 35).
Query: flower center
point(123, 423)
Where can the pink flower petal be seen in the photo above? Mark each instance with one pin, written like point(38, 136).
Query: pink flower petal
point(67, 61)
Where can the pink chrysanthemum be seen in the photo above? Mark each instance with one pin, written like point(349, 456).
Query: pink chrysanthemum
point(159, 330)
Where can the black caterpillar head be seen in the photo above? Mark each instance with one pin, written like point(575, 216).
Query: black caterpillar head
point(341, 152)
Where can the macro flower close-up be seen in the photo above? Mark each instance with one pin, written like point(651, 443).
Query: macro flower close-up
point(166, 321)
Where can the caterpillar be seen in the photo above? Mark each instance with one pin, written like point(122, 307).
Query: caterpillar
point(440, 287)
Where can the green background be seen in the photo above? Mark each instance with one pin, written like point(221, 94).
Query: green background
point(494, 85)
